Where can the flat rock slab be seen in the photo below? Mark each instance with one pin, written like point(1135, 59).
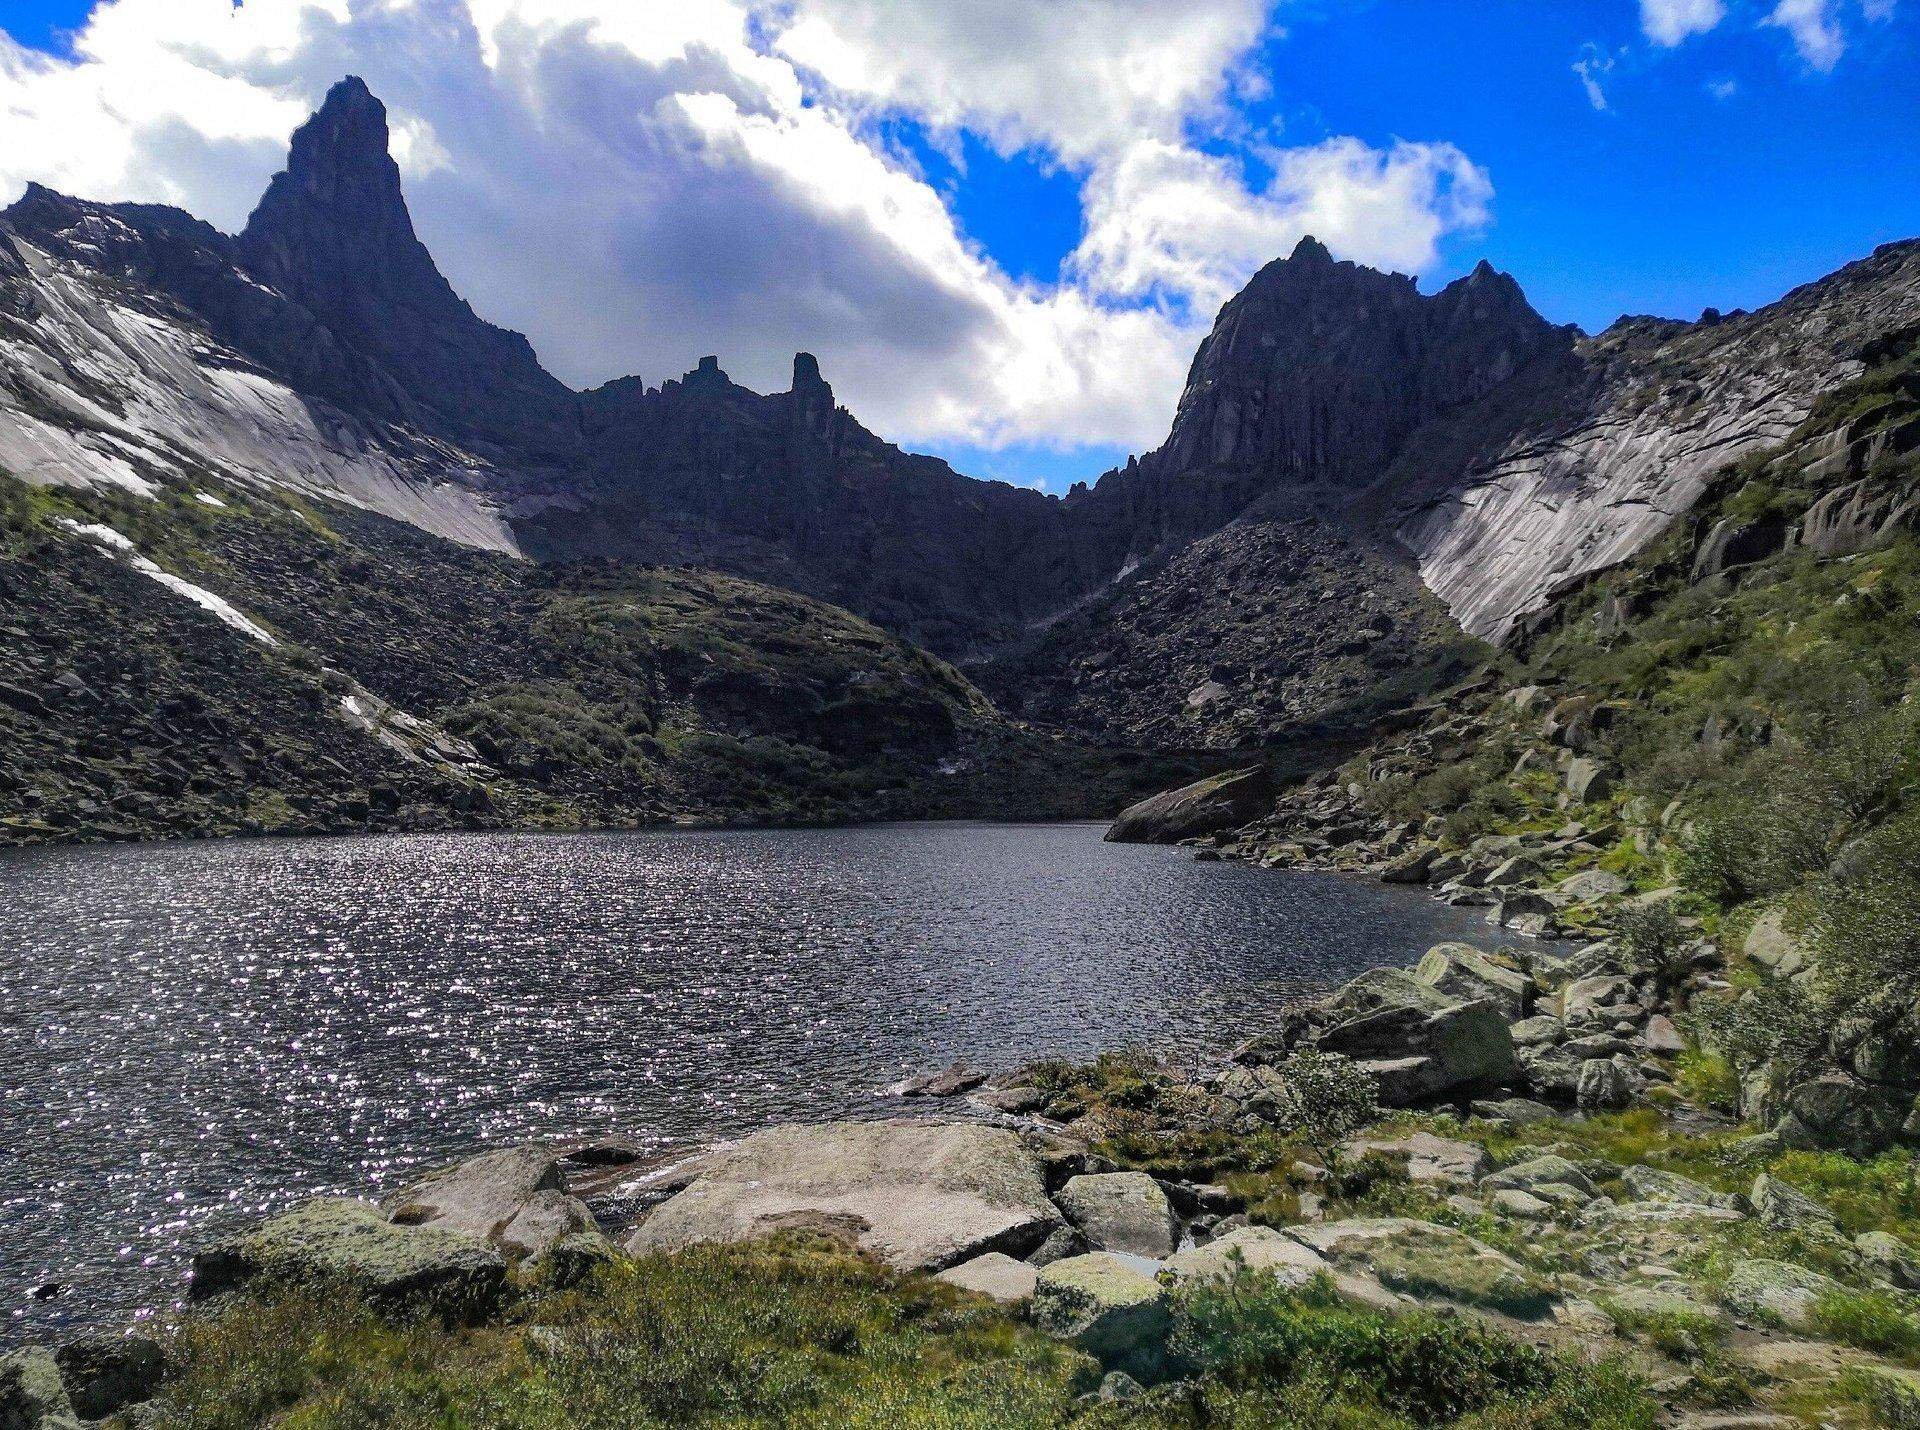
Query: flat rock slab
point(919, 1195)
point(1430, 1262)
point(1439, 1160)
point(994, 1274)
point(336, 1238)
point(1121, 1211)
point(1288, 1260)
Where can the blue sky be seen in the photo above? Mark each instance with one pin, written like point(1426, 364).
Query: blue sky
point(1722, 171)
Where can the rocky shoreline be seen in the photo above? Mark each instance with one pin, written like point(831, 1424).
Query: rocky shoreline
point(1080, 1198)
point(1528, 1159)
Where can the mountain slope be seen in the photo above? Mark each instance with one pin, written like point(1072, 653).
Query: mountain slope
point(208, 660)
point(1368, 438)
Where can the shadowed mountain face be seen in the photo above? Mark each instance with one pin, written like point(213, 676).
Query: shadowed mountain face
point(1455, 440)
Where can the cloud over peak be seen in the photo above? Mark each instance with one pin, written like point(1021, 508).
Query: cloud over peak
point(636, 184)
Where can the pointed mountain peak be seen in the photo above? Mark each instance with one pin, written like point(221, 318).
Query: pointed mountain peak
point(806, 372)
point(1310, 250)
point(333, 234)
point(338, 163)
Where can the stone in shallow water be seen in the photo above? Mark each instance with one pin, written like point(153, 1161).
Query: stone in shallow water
point(919, 1195)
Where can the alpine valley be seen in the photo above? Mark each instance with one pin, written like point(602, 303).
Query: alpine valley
point(292, 539)
point(1611, 643)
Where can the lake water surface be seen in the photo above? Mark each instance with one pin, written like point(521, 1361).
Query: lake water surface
point(190, 1033)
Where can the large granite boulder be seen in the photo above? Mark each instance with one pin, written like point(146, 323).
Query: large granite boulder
point(104, 1374)
point(1769, 945)
point(515, 1197)
point(1839, 1113)
point(32, 1396)
point(920, 1195)
point(1463, 972)
point(1417, 1042)
point(1776, 1292)
point(335, 1240)
point(1204, 807)
point(1121, 1211)
point(1106, 1306)
point(1788, 1208)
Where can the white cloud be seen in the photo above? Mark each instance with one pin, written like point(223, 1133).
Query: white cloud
point(1668, 22)
point(1592, 67)
point(1814, 28)
point(1723, 88)
point(636, 184)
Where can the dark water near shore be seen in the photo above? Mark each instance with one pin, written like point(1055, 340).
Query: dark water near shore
point(192, 1032)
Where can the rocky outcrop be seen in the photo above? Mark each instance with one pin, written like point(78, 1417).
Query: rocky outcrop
point(1274, 623)
point(917, 1195)
point(335, 1239)
point(1204, 807)
point(515, 1198)
point(1415, 1041)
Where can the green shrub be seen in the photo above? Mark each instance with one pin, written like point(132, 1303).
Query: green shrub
point(1252, 1332)
point(1868, 1321)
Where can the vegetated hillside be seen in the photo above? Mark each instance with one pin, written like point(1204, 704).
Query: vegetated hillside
point(360, 674)
point(1727, 725)
point(1269, 629)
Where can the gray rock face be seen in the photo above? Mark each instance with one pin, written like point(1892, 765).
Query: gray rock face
point(1780, 1205)
point(1617, 441)
point(1776, 1292)
point(1538, 1172)
point(1892, 1260)
point(1650, 1184)
point(919, 1195)
point(334, 1238)
point(1415, 1040)
point(515, 1198)
point(1121, 1211)
point(1603, 1086)
point(1770, 945)
point(1463, 972)
point(1204, 807)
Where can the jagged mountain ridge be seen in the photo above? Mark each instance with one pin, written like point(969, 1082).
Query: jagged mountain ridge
point(1497, 455)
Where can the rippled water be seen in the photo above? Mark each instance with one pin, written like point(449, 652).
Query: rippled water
point(190, 1032)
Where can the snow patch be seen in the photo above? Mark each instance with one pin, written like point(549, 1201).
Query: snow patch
point(117, 546)
point(208, 499)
